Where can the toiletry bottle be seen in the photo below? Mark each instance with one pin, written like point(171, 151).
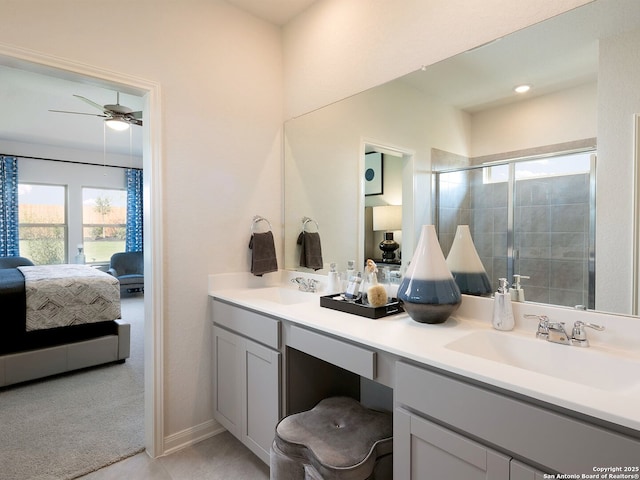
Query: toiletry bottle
point(517, 292)
point(353, 288)
point(348, 274)
point(502, 309)
point(333, 283)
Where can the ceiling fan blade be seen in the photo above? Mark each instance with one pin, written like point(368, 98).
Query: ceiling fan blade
point(93, 104)
point(81, 113)
point(135, 121)
point(137, 115)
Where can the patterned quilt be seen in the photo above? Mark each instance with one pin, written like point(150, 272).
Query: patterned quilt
point(62, 295)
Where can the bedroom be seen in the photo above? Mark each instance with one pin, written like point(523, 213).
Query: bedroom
point(71, 172)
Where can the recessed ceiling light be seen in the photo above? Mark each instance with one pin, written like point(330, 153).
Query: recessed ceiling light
point(522, 88)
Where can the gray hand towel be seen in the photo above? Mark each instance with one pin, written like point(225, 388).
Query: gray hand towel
point(311, 251)
point(263, 257)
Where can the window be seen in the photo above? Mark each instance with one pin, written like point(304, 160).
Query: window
point(104, 219)
point(571, 164)
point(42, 213)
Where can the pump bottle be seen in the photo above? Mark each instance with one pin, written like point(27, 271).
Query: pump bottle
point(502, 309)
point(517, 292)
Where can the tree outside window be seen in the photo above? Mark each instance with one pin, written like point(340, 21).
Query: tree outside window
point(104, 216)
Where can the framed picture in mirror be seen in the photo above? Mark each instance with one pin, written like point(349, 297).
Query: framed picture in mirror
point(373, 174)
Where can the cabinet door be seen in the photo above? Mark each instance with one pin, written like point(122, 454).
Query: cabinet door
point(227, 353)
point(520, 471)
point(423, 450)
point(261, 377)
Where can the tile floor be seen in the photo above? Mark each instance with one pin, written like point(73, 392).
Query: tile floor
point(221, 457)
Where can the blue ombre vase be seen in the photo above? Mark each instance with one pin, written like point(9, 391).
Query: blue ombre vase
point(465, 264)
point(428, 292)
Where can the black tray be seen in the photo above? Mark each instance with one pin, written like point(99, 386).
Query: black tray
point(357, 308)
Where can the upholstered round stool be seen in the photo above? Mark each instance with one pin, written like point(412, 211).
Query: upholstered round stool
point(338, 439)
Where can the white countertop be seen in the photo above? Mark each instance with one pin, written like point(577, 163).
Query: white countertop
point(426, 344)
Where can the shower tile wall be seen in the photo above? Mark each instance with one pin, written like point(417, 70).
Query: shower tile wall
point(551, 230)
point(489, 224)
point(551, 238)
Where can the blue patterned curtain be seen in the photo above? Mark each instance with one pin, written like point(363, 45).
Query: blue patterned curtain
point(134, 210)
point(9, 239)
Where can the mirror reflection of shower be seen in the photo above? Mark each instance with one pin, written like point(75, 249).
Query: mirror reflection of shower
point(533, 217)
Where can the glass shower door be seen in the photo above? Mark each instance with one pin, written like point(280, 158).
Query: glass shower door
point(533, 218)
point(553, 228)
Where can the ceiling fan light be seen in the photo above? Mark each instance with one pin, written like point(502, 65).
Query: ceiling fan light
point(117, 124)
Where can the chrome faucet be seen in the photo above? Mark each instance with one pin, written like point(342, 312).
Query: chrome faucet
point(579, 335)
point(306, 284)
point(555, 332)
point(543, 325)
point(558, 334)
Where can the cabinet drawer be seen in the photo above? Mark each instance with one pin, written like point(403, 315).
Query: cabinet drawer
point(544, 436)
point(345, 355)
point(262, 329)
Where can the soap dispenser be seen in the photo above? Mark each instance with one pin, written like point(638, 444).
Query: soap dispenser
point(502, 309)
point(333, 284)
point(517, 292)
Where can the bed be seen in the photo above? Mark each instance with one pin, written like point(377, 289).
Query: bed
point(58, 318)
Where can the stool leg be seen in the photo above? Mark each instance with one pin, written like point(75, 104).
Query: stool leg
point(310, 473)
point(283, 467)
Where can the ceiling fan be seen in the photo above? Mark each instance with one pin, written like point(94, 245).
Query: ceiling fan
point(117, 116)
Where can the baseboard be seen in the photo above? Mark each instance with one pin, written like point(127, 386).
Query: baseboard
point(190, 436)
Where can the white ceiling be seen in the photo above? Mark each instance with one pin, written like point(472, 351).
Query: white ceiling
point(26, 98)
point(278, 12)
point(553, 55)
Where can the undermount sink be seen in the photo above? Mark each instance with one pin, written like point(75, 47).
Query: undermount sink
point(280, 295)
point(585, 366)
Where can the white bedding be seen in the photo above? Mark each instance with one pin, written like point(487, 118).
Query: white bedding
point(62, 295)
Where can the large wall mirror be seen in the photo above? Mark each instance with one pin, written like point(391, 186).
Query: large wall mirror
point(461, 116)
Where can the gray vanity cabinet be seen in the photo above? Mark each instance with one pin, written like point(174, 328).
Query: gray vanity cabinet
point(513, 426)
point(246, 375)
point(423, 450)
point(520, 471)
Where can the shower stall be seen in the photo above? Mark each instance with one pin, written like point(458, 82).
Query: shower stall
point(533, 217)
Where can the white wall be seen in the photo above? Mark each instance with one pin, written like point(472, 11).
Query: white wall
point(341, 47)
point(618, 102)
point(220, 72)
point(323, 164)
point(565, 116)
point(70, 154)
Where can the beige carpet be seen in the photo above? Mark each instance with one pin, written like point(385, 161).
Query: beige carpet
point(73, 424)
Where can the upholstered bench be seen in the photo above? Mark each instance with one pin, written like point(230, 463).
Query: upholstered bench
point(338, 439)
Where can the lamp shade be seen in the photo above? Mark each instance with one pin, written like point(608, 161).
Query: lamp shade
point(387, 218)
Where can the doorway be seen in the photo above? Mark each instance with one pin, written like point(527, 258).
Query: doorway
point(83, 74)
point(396, 171)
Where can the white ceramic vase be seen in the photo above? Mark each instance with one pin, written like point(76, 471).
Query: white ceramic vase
point(465, 264)
point(428, 291)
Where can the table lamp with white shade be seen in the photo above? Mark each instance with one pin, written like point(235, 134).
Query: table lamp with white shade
point(388, 218)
